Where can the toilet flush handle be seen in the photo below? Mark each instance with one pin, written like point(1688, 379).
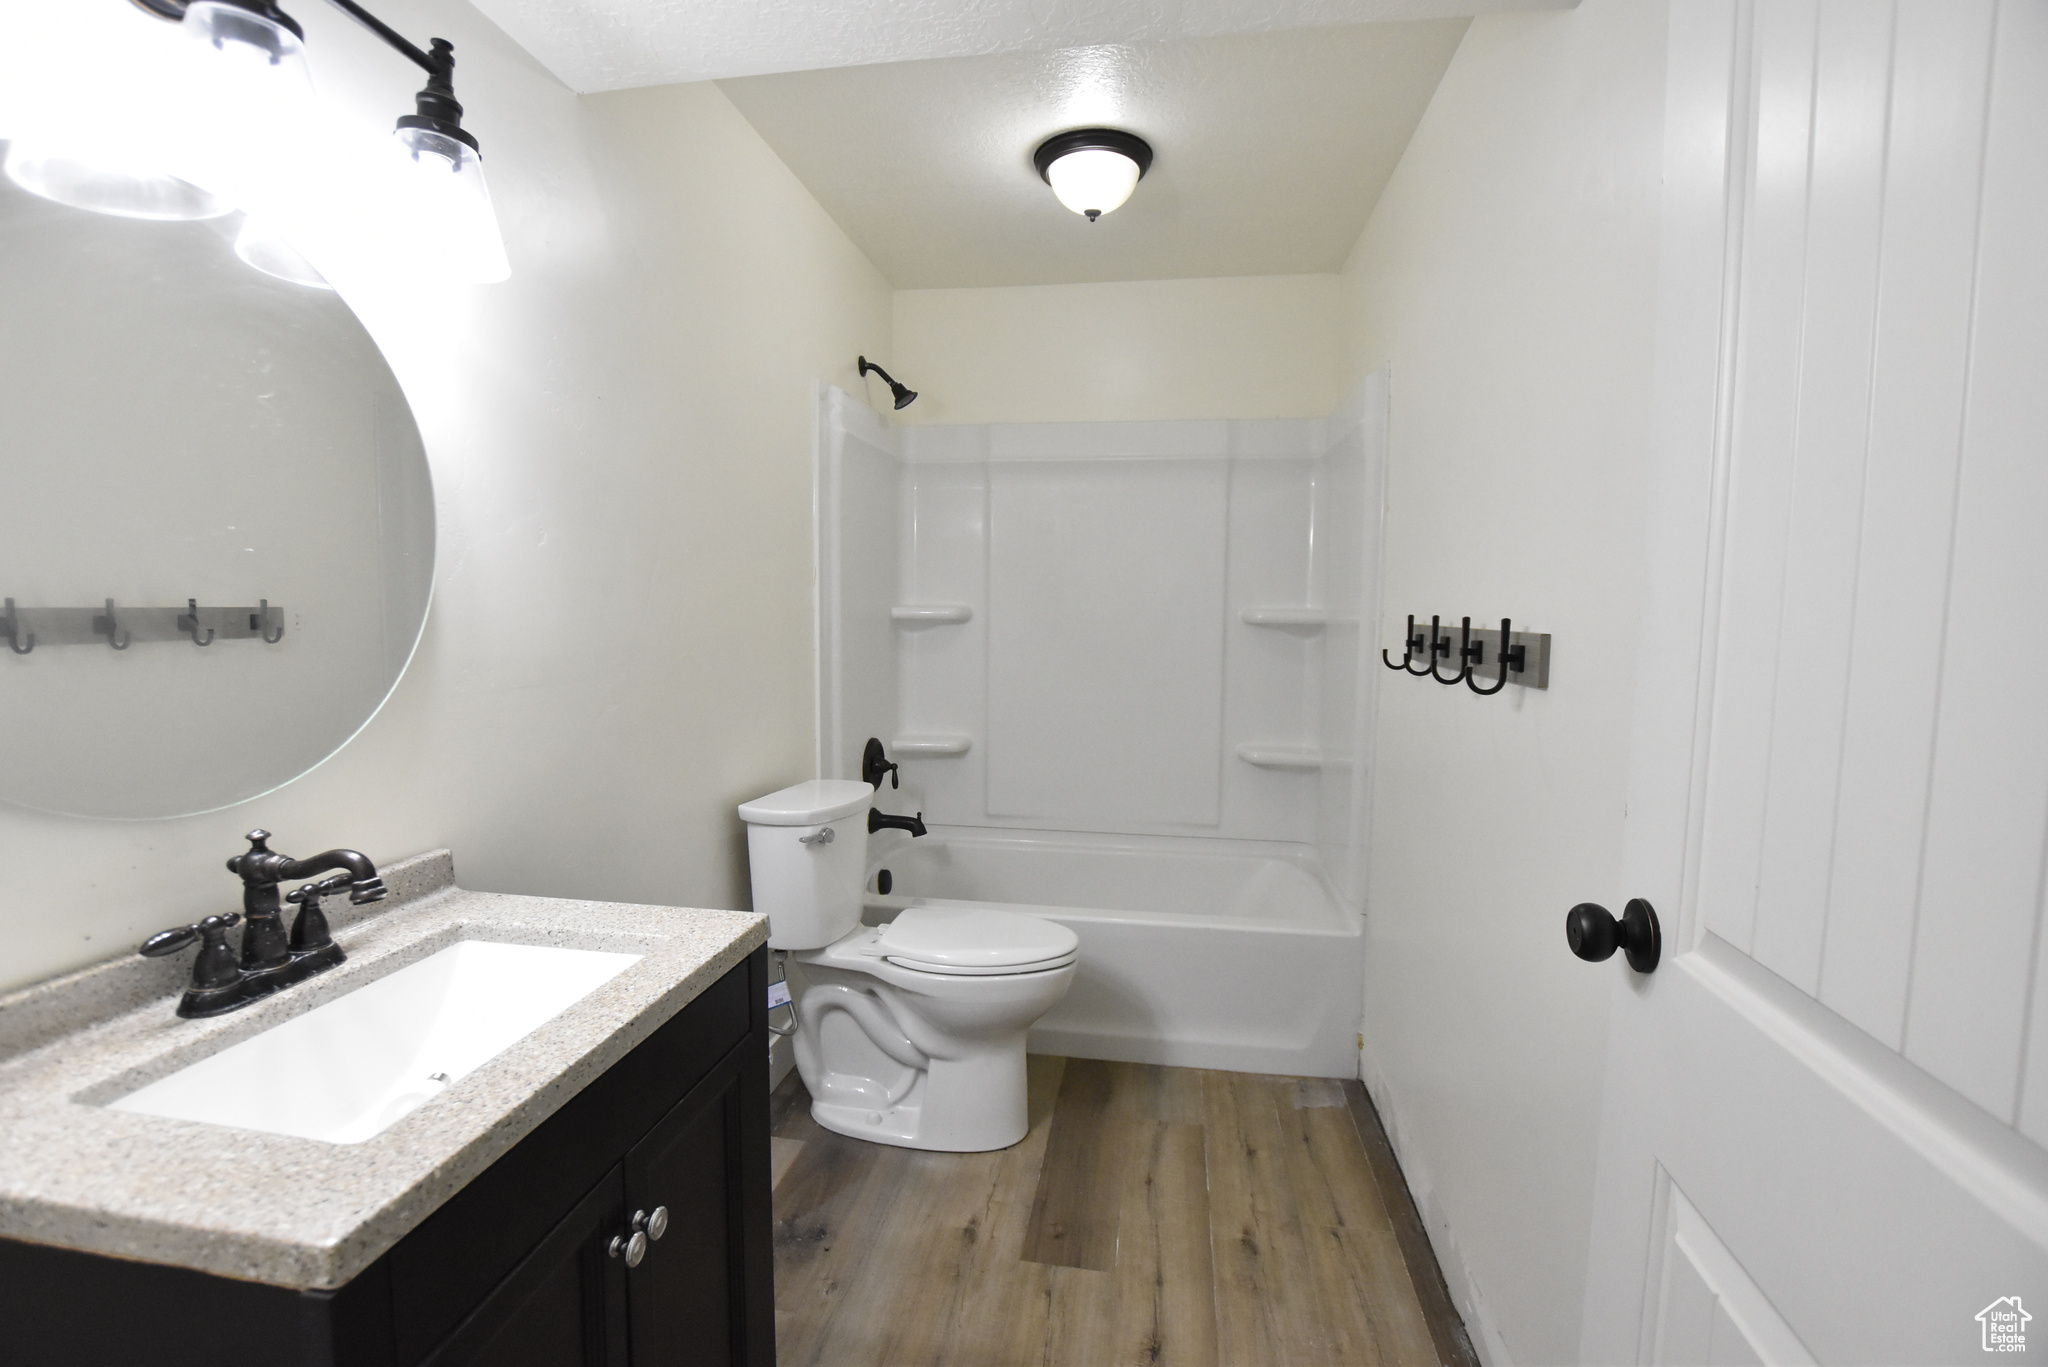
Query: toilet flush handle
point(824, 837)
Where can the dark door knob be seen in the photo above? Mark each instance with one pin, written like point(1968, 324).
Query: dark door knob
point(1593, 933)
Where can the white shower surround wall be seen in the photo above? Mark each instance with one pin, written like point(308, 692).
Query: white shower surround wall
point(1123, 668)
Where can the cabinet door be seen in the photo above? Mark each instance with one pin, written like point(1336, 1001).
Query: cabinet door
point(686, 1296)
point(563, 1306)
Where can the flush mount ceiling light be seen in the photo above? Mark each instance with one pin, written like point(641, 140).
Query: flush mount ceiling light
point(1093, 170)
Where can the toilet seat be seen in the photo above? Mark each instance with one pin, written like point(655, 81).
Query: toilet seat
point(973, 941)
point(1012, 971)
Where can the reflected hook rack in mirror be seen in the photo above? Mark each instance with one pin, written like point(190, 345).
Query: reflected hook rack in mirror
point(10, 627)
point(29, 628)
point(189, 624)
point(261, 623)
point(107, 627)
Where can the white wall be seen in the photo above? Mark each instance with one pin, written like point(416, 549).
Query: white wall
point(1159, 350)
point(1507, 277)
point(620, 644)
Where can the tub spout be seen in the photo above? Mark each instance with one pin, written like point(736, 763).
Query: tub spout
point(881, 821)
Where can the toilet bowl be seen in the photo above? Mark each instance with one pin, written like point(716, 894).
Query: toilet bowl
point(909, 1033)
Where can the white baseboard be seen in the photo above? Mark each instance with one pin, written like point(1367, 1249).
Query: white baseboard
point(1480, 1324)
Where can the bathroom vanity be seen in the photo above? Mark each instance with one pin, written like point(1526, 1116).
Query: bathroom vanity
point(596, 1193)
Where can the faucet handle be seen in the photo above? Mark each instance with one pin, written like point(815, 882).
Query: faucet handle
point(313, 892)
point(874, 765)
point(166, 942)
point(360, 891)
point(215, 966)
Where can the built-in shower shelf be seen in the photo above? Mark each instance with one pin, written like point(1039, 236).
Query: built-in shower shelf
point(929, 747)
point(1303, 620)
point(930, 614)
point(1296, 757)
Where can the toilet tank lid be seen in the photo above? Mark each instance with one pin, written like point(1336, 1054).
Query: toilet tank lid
point(973, 938)
point(809, 804)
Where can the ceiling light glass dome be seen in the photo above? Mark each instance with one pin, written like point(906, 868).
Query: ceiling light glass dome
point(1093, 170)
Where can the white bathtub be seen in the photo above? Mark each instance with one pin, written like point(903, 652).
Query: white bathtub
point(1206, 954)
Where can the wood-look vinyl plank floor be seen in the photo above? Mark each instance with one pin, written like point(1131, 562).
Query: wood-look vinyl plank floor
point(1152, 1217)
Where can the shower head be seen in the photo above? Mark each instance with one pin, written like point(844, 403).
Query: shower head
point(904, 393)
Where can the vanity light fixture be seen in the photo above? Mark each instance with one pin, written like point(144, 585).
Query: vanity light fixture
point(254, 84)
point(77, 139)
point(1093, 170)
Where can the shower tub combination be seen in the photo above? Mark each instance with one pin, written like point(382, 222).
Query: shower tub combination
point(1197, 953)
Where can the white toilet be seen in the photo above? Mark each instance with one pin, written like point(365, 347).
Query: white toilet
point(910, 1033)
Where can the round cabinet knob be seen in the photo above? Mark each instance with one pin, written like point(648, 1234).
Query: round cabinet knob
point(632, 1249)
point(1593, 933)
point(656, 1224)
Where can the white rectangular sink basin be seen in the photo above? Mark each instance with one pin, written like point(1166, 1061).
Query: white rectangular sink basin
point(355, 1066)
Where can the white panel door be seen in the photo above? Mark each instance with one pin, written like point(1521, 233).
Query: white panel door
point(1826, 1107)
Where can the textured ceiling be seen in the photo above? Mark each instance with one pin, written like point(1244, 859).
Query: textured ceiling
point(1271, 150)
point(617, 44)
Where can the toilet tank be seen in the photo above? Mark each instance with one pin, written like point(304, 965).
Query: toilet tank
point(809, 887)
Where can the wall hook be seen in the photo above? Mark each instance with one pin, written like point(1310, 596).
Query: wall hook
point(1443, 648)
point(1409, 645)
point(1438, 646)
point(10, 625)
point(260, 621)
point(106, 626)
point(1512, 658)
point(189, 623)
point(1425, 650)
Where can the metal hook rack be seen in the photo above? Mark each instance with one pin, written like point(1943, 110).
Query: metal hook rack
point(28, 628)
point(1506, 656)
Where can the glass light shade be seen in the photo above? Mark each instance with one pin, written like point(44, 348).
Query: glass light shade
point(268, 252)
point(105, 177)
point(100, 134)
point(448, 222)
point(243, 35)
point(1093, 180)
point(250, 106)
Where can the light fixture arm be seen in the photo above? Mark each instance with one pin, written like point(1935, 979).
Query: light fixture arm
point(436, 105)
point(440, 63)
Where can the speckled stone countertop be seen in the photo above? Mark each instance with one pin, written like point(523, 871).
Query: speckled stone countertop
point(299, 1212)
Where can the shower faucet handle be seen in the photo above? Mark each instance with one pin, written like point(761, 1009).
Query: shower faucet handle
point(874, 762)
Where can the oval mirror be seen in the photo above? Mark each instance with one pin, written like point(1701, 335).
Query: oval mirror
point(181, 430)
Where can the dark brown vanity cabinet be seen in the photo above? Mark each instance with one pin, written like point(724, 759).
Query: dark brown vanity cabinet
point(524, 1267)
